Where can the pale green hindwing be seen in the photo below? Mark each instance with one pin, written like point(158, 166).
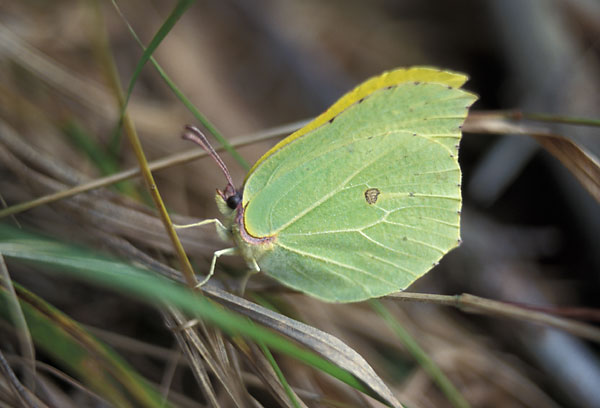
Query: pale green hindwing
point(367, 203)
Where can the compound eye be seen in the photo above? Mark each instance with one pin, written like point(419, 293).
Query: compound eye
point(234, 200)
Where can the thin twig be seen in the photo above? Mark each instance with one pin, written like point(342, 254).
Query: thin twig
point(475, 304)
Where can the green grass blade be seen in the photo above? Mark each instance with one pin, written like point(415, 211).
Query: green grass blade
point(165, 28)
point(445, 385)
point(286, 386)
point(178, 10)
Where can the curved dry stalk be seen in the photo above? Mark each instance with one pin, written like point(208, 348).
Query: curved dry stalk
point(584, 165)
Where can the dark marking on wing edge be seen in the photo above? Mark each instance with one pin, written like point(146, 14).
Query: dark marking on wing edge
point(371, 195)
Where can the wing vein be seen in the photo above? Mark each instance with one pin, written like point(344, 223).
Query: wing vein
point(332, 262)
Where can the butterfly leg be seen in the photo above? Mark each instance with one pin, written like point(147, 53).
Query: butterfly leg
point(222, 230)
point(217, 254)
point(215, 221)
point(253, 268)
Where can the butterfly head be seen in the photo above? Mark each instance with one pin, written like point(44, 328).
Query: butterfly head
point(229, 199)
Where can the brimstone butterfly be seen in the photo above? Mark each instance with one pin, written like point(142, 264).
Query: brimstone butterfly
point(363, 200)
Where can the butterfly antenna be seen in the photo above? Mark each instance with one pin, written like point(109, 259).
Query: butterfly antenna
point(194, 134)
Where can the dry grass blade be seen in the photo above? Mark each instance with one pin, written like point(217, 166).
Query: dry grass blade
point(491, 307)
point(581, 163)
point(195, 356)
point(20, 323)
point(198, 354)
point(475, 304)
point(584, 166)
point(323, 343)
point(20, 392)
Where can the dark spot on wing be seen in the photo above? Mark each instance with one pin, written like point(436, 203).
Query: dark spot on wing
point(371, 195)
point(331, 120)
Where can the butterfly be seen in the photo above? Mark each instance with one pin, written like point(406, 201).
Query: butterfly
point(363, 200)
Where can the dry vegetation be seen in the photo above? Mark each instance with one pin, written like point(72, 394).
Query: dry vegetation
point(529, 227)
